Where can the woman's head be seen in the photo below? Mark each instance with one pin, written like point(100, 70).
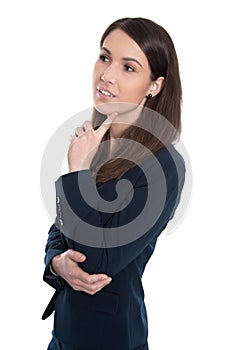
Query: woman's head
point(150, 44)
point(137, 58)
point(122, 75)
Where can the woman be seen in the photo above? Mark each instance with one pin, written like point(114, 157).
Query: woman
point(99, 302)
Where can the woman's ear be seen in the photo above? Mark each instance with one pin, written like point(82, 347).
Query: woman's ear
point(157, 86)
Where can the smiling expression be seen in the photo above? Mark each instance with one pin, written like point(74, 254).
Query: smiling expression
point(121, 73)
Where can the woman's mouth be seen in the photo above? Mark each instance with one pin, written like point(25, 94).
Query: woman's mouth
point(105, 93)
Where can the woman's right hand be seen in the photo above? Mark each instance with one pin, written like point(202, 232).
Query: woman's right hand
point(66, 266)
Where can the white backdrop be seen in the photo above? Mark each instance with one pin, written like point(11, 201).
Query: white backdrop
point(47, 53)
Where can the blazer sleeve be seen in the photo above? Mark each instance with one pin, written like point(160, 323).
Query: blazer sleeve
point(55, 245)
point(76, 216)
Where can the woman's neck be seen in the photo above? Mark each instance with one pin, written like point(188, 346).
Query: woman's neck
point(124, 121)
point(116, 130)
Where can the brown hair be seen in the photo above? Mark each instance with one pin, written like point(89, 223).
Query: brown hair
point(159, 49)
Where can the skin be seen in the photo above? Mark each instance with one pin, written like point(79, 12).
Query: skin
point(66, 266)
point(123, 71)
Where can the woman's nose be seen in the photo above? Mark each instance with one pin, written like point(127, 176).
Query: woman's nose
point(109, 75)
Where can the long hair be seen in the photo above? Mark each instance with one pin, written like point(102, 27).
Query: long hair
point(159, 49)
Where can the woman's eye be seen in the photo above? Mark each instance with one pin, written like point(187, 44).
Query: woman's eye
point(129, 68)
point(103, 58)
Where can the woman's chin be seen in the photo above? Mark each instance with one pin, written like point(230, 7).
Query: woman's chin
point(106, 108)
point(115, 107)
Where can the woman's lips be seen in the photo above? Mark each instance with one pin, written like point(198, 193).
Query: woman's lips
point(106, 94)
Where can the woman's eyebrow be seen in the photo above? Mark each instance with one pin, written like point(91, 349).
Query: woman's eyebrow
point(132, 59)
point(105, 49)
point(124, 58)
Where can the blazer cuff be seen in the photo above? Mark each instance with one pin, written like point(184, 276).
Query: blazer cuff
point(49, 275)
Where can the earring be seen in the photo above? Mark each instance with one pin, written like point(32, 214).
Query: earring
point(148, 97)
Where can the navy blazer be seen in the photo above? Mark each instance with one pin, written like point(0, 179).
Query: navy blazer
point(114, 318)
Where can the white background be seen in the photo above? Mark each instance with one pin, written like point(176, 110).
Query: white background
point(47, 53)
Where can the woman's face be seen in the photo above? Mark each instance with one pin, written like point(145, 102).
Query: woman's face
point(121, 74)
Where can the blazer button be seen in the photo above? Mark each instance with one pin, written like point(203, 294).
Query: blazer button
point(58, 199)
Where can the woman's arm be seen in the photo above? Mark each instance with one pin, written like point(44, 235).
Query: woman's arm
point(62, 264)
point(55, 245)
point(77, 216)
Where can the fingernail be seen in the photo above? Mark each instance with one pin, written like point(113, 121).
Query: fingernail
point(104, 278)
point(113, 115)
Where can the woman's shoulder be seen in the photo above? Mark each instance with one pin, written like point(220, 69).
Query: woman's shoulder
point(166, 162)
point(170, 155)
point(167, 158)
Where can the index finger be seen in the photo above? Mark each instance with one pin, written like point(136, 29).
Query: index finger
point(106, 124)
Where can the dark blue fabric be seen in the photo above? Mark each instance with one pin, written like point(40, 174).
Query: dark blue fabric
point(56, 345)
point(114, 318)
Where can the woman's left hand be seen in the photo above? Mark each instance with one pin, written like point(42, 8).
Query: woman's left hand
point(84, 145)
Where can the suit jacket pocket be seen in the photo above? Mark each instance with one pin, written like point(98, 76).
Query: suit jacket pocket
point(103, 301)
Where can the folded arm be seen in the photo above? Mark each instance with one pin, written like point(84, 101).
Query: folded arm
point(105, 255)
